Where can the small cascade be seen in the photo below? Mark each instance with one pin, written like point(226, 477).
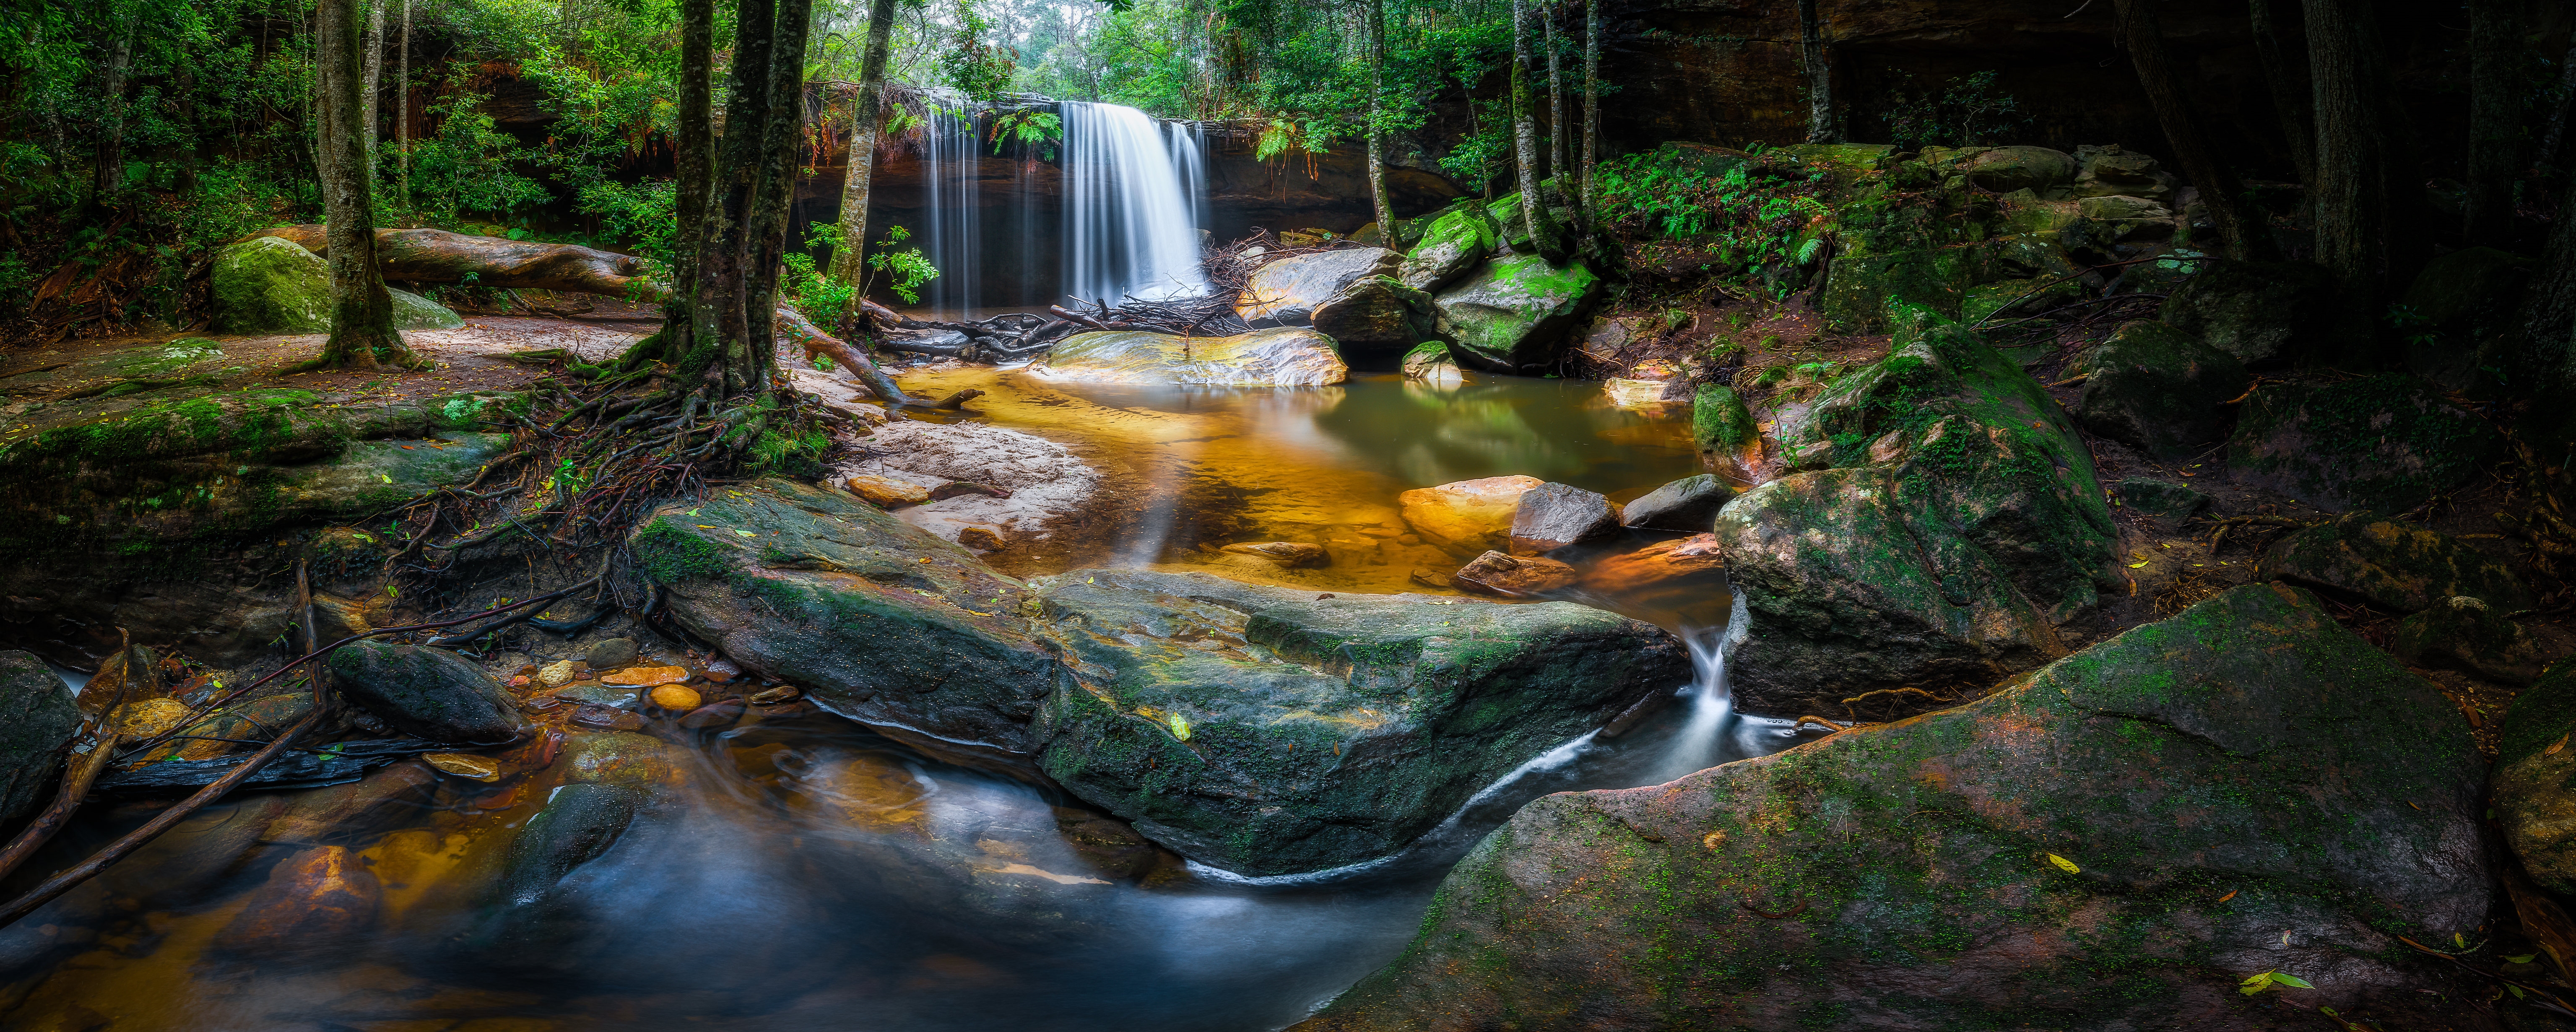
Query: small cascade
point(1697, 744)
point(951, 227)
point(1131, 190)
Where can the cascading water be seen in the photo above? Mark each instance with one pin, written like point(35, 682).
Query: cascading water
point(951, 226)
point(1695, 745)
point(1130, 225)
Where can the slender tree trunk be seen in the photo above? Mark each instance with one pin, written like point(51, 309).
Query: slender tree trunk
point(2353, 220)
point(1525, 146)
point(692, 172)
point(1591, 104)
point(369, 93)
point(1556, 128)
point(107, 171)
point(362, 313)
point(751, 369)
point(2495, 119)
point(1820, 75)
point(402, 109)
point(2241, 233)
point(867, 115)
point(1378, 203)
point(717, 324)
point(2548, 318)
point(2291, 98)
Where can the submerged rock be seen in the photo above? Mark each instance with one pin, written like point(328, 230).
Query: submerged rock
point(1379, 314)
point(432, 693)
point(1262, 358)
point(2154, 387)
point(1267, 732)
point(2116, 842)
point(2384, 442)
point(1513, 576)
point(1466, 516)
point(1516, 312)
point(579, 823)
point(38, 720)
point(1288, 291)
point(1687, 505)
point(314, 903)
point(2392, 564)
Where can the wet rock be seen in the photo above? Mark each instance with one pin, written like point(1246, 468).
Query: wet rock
point(982, 537)
point(136, 721)
point(38, 720)
point(774, 696)
point(1516, 313)
point(610, 654)
point(713, 715)
point(201, 853)
point(1636, 394)
point(1466, 516)
point(464, 765)
point(1454, 245)
point(342, 813)
point(2464, 633)
point(2177, 769)
point(887, 492)
point(961, 488)
point(603, 718)
point(1430, 578)
point(2392, 564)
point(646, 677)
point(1268, 732)
point(1726, 435)
point(1294, 555)
point(314, 902)
point(2161, 498)
point(240, 726)
point(1377, 313)
point(1107, 846)
point(2265, 313)
point(2154, 387)
point(127, 675)
point(839, 600)
point(1287, 292)
point(1289, 357)
point(556, 674)
point(581, 821)
point(1430, 362)
point(1511, 576)
point(1687, 505)
point(606, 695)
point(1680, 574)
point(673, 698)
point(619, 758)
point(2534, 767)
point(1552, 516)
point(2384, 442)
point(430, 693)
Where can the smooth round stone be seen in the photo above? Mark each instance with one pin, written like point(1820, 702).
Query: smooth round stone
point(675, 698)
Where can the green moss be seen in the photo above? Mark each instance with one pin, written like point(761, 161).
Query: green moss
point(671, 554)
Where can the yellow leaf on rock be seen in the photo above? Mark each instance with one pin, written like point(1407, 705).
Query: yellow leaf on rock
point(2064, 864)
point(1180, 727)
point(2135, 565)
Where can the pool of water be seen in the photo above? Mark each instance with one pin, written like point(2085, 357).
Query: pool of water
point(803, 873)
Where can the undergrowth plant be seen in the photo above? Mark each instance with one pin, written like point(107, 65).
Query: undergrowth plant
point(1745, 218)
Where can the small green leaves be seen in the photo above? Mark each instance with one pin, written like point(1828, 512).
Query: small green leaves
point(2269, 979)
point(2524, 959)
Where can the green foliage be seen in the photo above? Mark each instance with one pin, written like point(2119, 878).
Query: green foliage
point(1968, 113)
point(1030, 130)
point(906, 270)
point(470, 167)
point(1745, 218)
point(968, 63)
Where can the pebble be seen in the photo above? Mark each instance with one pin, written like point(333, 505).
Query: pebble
point(464, 765)
point(555, 675)
point(599, 695)
point(611, 653)
point(887, 492)
point(647, 677)
point(675, 698)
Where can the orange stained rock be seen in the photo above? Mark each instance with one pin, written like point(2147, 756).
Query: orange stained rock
point(675, 698)
point(316, 894)
point(646, 677)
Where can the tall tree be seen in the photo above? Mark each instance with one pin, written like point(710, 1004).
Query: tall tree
point(402, 109)
point(362, 313)
point(107, 167)
point(1525, 154)
point(1591, 102)
point(1556, 128)
point(781, 135)
point(2291, 101)
point(1820, 75)
point(1378, 203)
point(867, 117)
point(2352, 212)
point(2241, 233)
point(718, 344)
point(375, 78)
point(2495, 119)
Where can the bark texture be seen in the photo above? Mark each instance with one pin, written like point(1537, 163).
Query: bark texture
point(716, 304)
point(1378, 203)
point(368, 92)
point(1556, 139)
point(362, 313)
point(1525, 153)
point(867, 114)
point(2495, 119)
point(2352, 206)
point(1591, 101)
point(767, 231)
point(1820, 75)
point(402, 110)
point(107, 171)
point(2241, 233)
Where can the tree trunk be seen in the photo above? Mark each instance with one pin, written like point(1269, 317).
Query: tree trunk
point(107, 172)
point(752, 368)
point(2548, 318)
point(402, 110)
point(2352, 215)
point(2495, 119)
point(691, 165)
point(362, 313)
point(375, 79)
point(2241, 233)
point(1556, 135)
point(2291, 100)
point(1591, 103)
point(1525, 155)
point(718, 338)
point(2547, 155)
point(867, 113)
point(1378, 203)
point(1820, 76)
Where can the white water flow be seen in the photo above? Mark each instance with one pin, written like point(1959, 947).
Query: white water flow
point(1131, 187)
point(1697, 744)
point(951, 223)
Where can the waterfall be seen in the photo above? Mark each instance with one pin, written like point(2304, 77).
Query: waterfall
point(951, 222)
point(1131, 189)
point(1696, 745)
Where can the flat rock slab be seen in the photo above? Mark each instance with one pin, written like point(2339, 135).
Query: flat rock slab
point(2243, 769)
point(1286, 357)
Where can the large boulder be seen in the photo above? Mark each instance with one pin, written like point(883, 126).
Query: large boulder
point(1724, 431)
point(1377, 313)
point(1515, 313)
point(2534, 768)
point(1267, 733)
point(2383, 442)
point(1686, 505)
point(272, 285)
point(1286, 292)
point(2155, 387)
point(1466, 516)
point(2264, 313)
point(431, 693)
point(37, 722)
point(2391, 564)
point(2117, 842)
point(878, 620)
point(1947, 520)
point(1552, 516)
point(1456, 243)
point(2468, 634)
point(2107, 171)
point(2042, 171)
point(1287, 357)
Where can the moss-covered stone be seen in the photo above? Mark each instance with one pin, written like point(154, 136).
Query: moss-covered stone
point(2015, 297)
point(1267, 732)
point(432, 693)
point(1377, 314)
point(2265, 313)
point(2463, 633)
point(37, 722)
point(2384, 442)
point(273, 285)
point(1455, 244)
point(2158, 389)
point(2535, 769)
point(2399, 566)
point(1515, 313)
point(2211, 781)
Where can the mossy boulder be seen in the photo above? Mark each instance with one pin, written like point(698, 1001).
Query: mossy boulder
point(2107, 171)
point(37, 722)
point(2469, 634)
point(2115, 842)
point(1267, 732)
point(1724, 431)
point(1515, 313)
point(426, 692)
point(2534, 770)
point(414, 312)
point(880, 621)
point(1842, 163)
point(2002, 170)
point(2266, 314)
point(2016, 297)
point(273, 285)
point(2397, 566)
point(1861, 288)
point(2385, 442)
point(1454, 245)
point(2160, 390)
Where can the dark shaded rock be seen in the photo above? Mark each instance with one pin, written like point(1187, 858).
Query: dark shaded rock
point(2243, 769)
point(1510, 576)
point(1107, 846)
point(2006, 169)
point(1552, 516)
point(2534, 766)
point(2394, 565)
point(2384, 442)
point(315, 902)
point(1516, 312)
point(2152, 386)
point(611, 654)
point(1687, 505)
point(2109, 171)
point(2456, 312)
point(617, 758)
point(2463, 633)
point(1377, 313)
point(1287, 292)
point(1267, 732)
point(354, 811)
point(580, 822)
point(241, 726)
point(2264, 313)
point(432, 693)
point(2162, 498)
point(38, 720)
point(832, 594)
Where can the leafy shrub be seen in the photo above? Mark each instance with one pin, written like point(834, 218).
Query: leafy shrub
point(1969, 113)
